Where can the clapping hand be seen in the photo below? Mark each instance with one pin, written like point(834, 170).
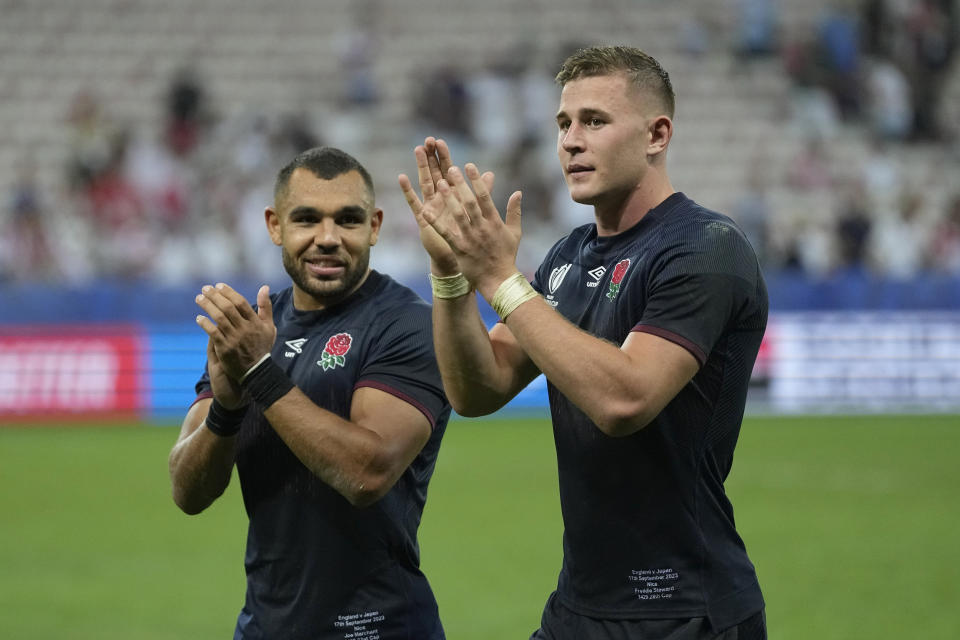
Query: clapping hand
point(433, 162)
point(463, 215)
point(239, 336)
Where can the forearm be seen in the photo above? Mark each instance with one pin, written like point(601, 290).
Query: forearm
point(351, 459)
point(596, 375)
point(200, 463)
point(475, 381)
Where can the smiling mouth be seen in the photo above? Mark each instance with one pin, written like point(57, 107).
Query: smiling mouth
point(326, 269)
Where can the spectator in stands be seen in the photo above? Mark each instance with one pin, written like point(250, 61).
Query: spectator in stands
point(812, 248)
point(753, 211)
point(889, 104)
point(161, 181)
point(92, 140)
point(259, 255)
point(882, 172)
point(444, 104)
point(695, 33)
point(25, 247)
point(839, 56)
point(878, 28)
point(296, 134)
point(811, 168)
point(525, 166)
point(495, 100)
point(115, 212)
point(932, 36)
point(899, 243)
point(853, 227)
point(946, 239)
point(757, 25)
point(812, 109)
point(813, 112)
point(357, 48)
point(187, 111)
point(113, 200)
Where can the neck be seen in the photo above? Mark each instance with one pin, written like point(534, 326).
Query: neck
point(622, 213)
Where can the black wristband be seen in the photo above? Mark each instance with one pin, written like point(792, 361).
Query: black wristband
point(224, 422)
point(267, 383)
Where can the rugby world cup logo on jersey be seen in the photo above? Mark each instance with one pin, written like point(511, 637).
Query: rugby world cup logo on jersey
point(557, 276)
point(335, 350)
point(619, 272)
point(553, 283)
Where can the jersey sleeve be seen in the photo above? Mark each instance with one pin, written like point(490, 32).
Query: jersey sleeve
point(700, 289)
point(538, 276)
point(203, 388)
point(402, 363)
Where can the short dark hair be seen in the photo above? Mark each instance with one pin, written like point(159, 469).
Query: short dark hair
point(324, 162)
point(642, 68)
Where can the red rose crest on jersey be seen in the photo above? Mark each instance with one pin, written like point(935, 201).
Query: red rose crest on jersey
point(618, 272)
point(335, 350)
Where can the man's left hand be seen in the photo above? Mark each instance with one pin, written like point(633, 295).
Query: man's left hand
point(240, 335)
point(464, 215)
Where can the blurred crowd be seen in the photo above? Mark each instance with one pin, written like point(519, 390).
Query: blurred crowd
point(184, 200)
point(875, 71)
point(869, 185)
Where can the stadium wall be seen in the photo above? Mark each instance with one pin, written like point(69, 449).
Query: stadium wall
point(121, 351)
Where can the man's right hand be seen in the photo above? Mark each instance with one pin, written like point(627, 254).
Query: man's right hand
point(433, 161)
point(240, 334)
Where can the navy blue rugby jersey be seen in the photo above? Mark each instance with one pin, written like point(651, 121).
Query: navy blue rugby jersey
point(648, 529)
point(318, 567)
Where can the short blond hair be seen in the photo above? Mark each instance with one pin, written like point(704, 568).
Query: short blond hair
point(643, 69)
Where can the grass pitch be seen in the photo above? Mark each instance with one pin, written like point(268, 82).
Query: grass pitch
point(851, 523)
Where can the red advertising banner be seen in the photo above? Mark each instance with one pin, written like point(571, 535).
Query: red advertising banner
point(70, 372)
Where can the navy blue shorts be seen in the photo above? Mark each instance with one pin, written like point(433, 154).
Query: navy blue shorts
point(560, 623)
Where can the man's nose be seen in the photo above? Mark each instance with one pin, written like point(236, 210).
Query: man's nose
point(327, 235)
point(572, 139)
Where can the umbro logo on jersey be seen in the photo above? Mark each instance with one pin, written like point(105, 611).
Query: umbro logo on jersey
point(597, 275)
point(557, 276)
point(296, 347)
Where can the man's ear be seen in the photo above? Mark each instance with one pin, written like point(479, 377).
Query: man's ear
point(376, 221)
point(272, 219)
point(660, 131)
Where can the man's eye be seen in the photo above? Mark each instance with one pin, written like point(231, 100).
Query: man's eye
point(595, 122)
